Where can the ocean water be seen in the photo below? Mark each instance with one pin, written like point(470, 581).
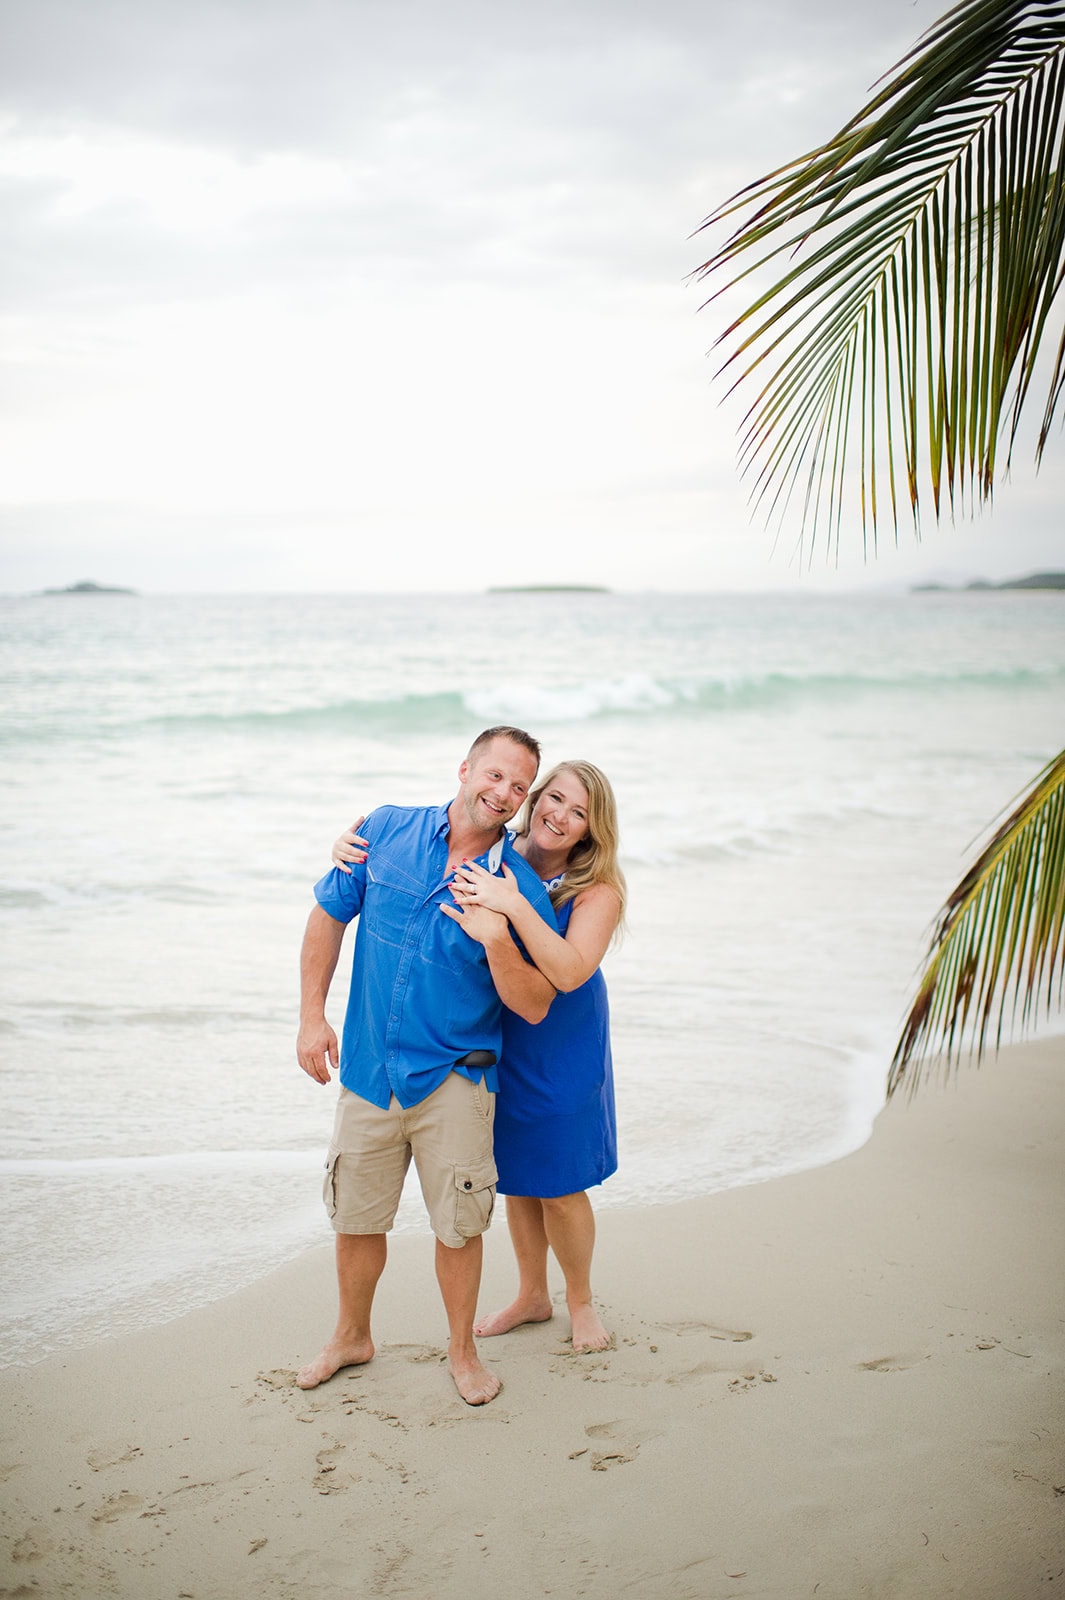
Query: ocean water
point(800, 781)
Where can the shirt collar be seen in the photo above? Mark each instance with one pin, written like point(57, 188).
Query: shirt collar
point(495, 853)
point(442, 824)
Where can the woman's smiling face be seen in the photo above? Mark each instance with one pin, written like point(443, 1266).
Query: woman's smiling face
point(560, 817)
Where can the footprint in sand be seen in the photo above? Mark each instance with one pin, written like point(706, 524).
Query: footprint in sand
point(685, 1329)
point(326, 1480)
point(390, 1464)
point(420, 1352)
point(891, 1363)
point(702, 1369)
point(624, 1451)
point(112, 1455)
point(392, 1557)
point(589, 1366)
point(28, 1548)
point(118, 1505)
point(389, 1418)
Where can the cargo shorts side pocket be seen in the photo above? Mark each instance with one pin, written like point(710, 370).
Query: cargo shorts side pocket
point(475, 1198)
point(329, 1184)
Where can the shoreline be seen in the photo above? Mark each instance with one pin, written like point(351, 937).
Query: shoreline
point(26, 1338)
point(848, 1379)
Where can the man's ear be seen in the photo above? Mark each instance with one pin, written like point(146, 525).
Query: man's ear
point(463, 770)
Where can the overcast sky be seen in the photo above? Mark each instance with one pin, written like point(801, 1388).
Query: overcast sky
point(376, 294)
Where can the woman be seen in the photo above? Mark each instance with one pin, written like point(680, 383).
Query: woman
point(555, 1127)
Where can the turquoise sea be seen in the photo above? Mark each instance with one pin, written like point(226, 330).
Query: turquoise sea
point(801, 780)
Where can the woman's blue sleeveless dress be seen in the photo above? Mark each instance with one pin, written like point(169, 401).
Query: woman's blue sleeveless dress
point(555, 1122)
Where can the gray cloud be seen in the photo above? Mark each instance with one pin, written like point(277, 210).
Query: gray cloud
point(320, 160)
point(266, 74)
point(478, 140)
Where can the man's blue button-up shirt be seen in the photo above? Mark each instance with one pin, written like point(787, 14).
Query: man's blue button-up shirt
point(421, 992)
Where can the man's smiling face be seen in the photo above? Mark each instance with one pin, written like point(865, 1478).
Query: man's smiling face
point(495, 782)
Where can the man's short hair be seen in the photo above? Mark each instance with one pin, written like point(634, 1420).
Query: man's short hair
point(515, 735)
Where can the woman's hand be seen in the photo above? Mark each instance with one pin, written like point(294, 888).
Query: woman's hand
point(473, 886)
point(487, 927)
point(349, 847)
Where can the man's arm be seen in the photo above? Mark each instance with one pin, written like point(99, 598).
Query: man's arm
point(316, 1044)
point(522, 987)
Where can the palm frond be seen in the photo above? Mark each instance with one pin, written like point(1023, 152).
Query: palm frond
point(999, 941)
point(920, 254)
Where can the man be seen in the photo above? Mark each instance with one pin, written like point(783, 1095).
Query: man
point(421, 1038)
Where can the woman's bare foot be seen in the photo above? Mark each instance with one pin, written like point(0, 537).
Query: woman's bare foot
point(473, 1381)
point(521, 1311)
point(331, 1359)
point(588, 1331)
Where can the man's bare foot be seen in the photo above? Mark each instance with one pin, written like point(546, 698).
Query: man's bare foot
point(331, 1359)
point(521, 1311)
point(588, 1331)
point(473, 1381)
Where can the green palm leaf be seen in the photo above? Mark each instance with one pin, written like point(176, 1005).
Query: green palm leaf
point(923, 250)
point(920, 255)
point(998, 950)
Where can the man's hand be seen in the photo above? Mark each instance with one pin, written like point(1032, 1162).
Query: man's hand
point(316, 1043)
point(316, 1049)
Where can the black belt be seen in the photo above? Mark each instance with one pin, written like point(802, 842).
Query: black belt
point(477, 1058)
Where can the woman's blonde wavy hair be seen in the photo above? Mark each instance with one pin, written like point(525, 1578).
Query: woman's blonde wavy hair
point(595, 859)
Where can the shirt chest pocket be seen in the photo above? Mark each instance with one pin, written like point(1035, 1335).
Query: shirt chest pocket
point(391, 901)
point(447, 946)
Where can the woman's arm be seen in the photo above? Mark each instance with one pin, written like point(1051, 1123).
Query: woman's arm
point(521, 986)
point(566, 962)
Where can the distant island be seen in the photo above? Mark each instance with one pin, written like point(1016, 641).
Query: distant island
point(548, 588)
point(1034, 580)
point(86, 586)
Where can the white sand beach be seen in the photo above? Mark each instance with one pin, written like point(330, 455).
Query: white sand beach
point(847, 1383)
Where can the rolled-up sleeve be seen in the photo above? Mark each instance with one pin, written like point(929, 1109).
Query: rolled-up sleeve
point(340, 894)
